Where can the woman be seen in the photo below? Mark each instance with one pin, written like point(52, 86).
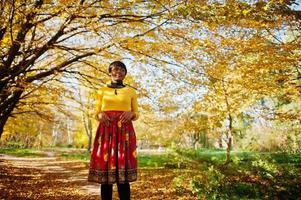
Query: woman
point(113, 158)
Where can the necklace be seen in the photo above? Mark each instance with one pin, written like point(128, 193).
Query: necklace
point(116, 85)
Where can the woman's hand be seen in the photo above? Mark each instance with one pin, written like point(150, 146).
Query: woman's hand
point(126, 116)
point(103, 118)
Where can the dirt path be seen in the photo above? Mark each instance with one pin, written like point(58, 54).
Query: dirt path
point(52, 178)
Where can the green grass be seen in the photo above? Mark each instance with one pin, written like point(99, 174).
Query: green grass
point(64, 153)
point(170, 160)
point(144, 160)
point(154, 161)
point(22, 152)
point(215, 157)
point(250, 175)
point(76, 156)
point(286, 158)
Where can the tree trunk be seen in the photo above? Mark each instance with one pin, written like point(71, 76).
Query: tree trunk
point(89, 143)
point(229, 133)
point(229, 147)
point(229, 140)
point(69, 134)
point(40, 136)
point(8, 104)
point(90, 135)
point(3, 121)
point(87, 123)
point(220, 142)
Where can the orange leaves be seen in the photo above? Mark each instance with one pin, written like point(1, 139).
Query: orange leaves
point(138, 44)
point(65, 2)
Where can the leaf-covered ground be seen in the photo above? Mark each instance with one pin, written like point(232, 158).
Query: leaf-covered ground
point(54, 178)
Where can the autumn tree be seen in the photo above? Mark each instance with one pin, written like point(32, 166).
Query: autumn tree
point(43, 41)
point(251, 59)
point(233, 53)
point(255, 61)
point(39, 121)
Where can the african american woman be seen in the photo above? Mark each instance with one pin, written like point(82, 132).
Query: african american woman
point(114, 156)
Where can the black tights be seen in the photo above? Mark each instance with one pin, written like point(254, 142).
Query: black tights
point(124, 192)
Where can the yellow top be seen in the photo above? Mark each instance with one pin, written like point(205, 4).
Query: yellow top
point(123, 99)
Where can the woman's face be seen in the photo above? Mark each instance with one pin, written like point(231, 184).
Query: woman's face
point(117, 73)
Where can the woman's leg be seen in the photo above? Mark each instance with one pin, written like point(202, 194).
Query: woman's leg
point(124, 191)
point(106, 191)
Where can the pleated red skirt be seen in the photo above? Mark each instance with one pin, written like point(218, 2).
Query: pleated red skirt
point(114, 156)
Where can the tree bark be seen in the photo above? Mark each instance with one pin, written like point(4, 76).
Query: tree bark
point(90, 135)
point(229, 132)
point(5, 113)
point(88, 129)
point(3, 121)
point(229, 140)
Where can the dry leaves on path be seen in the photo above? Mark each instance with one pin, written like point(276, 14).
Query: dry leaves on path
point(52, 178)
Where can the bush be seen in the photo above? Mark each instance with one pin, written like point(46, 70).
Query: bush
point(177, 184)
point(210, 185)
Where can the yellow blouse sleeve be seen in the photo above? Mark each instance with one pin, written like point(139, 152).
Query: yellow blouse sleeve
point(135, 106)
point(99, 96)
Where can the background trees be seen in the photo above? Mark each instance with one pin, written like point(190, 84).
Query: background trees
point(45, 42)
point(237, 63)
point(239, 56)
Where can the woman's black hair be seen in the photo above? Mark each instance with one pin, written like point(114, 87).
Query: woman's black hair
point(117, 64)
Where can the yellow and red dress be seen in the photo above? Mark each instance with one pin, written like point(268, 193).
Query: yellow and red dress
point(114, 156)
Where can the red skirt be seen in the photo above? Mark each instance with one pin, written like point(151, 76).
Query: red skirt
point(114, 156)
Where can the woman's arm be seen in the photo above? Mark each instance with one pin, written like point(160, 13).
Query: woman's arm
point(101, 116)
point(98, 104)
point(133, 114)
point(135, 106)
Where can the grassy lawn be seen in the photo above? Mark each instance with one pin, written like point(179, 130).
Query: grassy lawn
point(172, 160)
point(250, 175)
point(144, 160)
point(22, 152)
point(216, 157)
